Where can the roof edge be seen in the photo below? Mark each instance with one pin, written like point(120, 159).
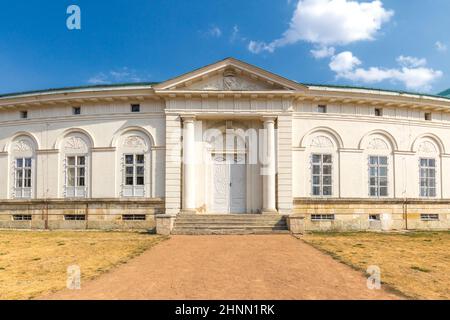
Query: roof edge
point(75, 88)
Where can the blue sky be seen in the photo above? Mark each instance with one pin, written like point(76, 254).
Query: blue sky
point(391, 44)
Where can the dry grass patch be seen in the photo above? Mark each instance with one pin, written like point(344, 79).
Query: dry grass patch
point(35, 263)
point(416, 264)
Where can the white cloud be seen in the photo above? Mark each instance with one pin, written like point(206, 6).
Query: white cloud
point(213, 32)
point(236, 35)
point(330, 22)
point(441, 47)
point(257, 47)
point(115, 76)
point(411, 62)
point(323, 52)
point(344, 62)
point(413, 72)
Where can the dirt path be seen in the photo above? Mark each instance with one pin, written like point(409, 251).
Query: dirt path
point(229, 267)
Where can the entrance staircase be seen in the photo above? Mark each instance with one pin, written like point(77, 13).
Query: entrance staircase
point(230, 224)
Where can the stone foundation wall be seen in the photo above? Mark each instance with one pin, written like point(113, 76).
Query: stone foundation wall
point(101, 214)
point(353, 215)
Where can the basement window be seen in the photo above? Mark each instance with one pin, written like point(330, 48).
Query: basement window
point(76, 111)
point(321, 108)
point(428, 116)
point(374, 217)
point(135, 108)
point(134, 217)
point(22, 217)
point(322, 217)
point(23, 114)
point(378, 112)
point(429, 217)
point(75, 217)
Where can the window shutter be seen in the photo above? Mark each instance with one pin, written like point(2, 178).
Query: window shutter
point(13, 170)
point(65, 177)
point(368, 176)
point(122, 171)
point(87, 176)
point(146, 179)
point(311, 193)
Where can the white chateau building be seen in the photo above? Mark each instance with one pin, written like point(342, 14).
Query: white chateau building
point(225, 147)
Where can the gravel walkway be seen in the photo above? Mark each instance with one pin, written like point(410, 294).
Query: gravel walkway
point(229, 267)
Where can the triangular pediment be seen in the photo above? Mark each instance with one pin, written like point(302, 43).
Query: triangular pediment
point(229, 75)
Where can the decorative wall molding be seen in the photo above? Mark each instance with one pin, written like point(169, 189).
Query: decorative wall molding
point(21, 146)
point(377, 144)
point(322, 142)
point(75, 144)
point(134, 142)
point(427, 147)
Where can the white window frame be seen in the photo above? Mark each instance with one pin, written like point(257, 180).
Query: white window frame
point(377, 186)
point(21, 191)
point(134, 189)
point(321, 176)
point(76, 190)
point(428, 187)
point(323, 217)
point(430, 217)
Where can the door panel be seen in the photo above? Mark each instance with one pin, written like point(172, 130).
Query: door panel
point(221, 184)
point(238, 192)
point(229, 184)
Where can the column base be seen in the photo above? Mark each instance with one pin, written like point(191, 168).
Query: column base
point(269, 212)
point(188, 211)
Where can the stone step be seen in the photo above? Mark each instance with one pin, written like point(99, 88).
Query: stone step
point(224, 218)
point(230, 224)
point(228, 232)
point(219, 224)
point(231, 220)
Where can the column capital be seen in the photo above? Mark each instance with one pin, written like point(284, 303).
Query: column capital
point(187, 117)
point(269, 118)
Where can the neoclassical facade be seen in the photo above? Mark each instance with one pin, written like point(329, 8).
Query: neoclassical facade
point(228, 138)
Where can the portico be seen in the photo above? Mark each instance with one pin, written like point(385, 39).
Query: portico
point(228, 165)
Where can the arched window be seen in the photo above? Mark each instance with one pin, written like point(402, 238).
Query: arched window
point(23, 162)
point(135, 158)
point(378, 151)
point(322, 150)
point(428, 158)
point(76, 159)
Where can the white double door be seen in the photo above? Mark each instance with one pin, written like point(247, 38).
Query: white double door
point(229, 184)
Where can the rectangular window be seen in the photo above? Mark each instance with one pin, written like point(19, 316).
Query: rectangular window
point(322, 108)
point(378, 112)
point(134, 217)
point(22, 217)
point(134, 168)
point(428, 178)
point(429, 217)
point(23, 114)
point(75, 217)
point(322, 217)
point(76, 111)
point(322, 171)
point(428, 116)
point(23, 173)
point(374, 217)
point(378, 176)
point(76, 176)
point(135, 108)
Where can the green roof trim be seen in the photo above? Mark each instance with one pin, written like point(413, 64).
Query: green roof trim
point(445, 93)
point(63, 89)
point(440, 95)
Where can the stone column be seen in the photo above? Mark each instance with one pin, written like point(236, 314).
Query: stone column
point(189, 203)
point(269, 167)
